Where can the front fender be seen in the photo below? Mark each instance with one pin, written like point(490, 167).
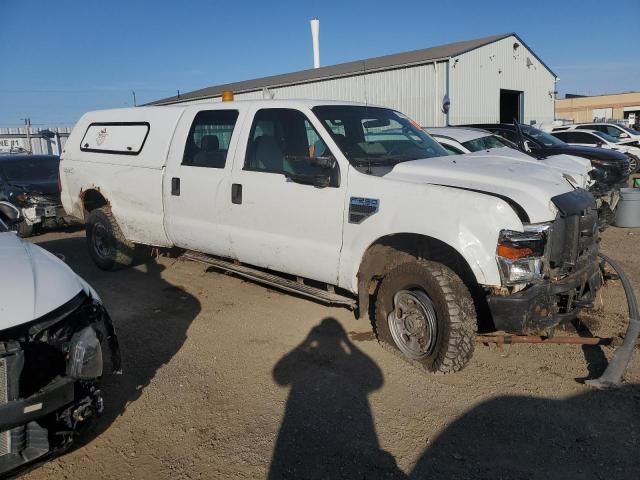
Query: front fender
point(467, 221)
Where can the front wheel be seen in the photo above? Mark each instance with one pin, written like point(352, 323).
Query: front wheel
point(426, 311)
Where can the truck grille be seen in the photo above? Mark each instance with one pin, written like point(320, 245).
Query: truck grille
point(5, 437)
point(575, 239)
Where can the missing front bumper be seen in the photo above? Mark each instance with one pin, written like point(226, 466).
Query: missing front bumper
point(541, 307)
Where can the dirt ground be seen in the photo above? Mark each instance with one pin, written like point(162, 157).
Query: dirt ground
point(227, 379)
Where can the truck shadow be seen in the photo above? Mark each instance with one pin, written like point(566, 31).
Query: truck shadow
point(589, 436)
point(151, 317)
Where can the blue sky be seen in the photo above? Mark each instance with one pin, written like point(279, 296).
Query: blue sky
point(62, 58)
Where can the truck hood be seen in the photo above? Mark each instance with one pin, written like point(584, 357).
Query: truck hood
point(525, 182)
point(33, 281)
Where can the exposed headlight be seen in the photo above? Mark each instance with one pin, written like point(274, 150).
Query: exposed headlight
point(85, 355)
point(520, 254)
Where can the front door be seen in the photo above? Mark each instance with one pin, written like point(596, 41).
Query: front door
point(279, 223)
point(197, 180)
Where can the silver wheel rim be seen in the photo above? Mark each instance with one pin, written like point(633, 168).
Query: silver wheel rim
point(102, 243)
point(633, 164)
point(413, 323)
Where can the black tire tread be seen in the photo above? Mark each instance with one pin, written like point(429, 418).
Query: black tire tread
point(125, 250)
point(458, 343)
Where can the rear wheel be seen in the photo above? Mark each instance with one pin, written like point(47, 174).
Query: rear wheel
point(633, 163)
point(108, 247)
point(425, 311)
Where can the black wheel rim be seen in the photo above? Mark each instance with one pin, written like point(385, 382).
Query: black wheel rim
point(413, 323)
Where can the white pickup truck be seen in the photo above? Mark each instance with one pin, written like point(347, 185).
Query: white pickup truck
point(346, 203)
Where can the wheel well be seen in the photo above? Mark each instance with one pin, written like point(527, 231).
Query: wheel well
point(92, 199)
point(392, 250)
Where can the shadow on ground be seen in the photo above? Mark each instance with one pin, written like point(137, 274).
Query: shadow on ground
point(151, 317)
point(328, 430)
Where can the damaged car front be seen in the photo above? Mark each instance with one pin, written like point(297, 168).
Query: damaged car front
point(30, 182)
point(56, 343)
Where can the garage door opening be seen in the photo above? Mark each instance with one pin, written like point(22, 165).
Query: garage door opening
point(511, 106)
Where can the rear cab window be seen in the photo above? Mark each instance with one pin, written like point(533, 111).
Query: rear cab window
point(209, 138)
point(122, 138)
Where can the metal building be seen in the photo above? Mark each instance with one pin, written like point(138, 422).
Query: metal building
point(37, 141)
point(488, 79)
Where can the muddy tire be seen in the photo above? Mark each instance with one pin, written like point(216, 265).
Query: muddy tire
point(424, 310)
point(107, 246)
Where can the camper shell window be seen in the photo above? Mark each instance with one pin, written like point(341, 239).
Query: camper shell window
point(122, 138)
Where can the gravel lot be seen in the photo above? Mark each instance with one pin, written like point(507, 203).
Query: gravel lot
point(228, 379)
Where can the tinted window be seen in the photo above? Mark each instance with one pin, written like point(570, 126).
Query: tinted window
point(209, 138)
point(509, 135)
point(612, 131)
point(284, 141)
point(29, 168)
point(565, 136)
point(583, 137)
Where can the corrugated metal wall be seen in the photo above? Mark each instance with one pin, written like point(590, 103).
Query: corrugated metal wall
point(416, 91)
point(16, 140)
point(476, 78)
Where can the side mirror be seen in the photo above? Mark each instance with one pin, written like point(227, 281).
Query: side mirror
point(10, 214)
point(623, 135)
point(528, 146)
point(320, 181)
point(599, 144)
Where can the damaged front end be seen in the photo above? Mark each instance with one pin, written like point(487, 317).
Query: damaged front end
point(50, 378)
point(550, 271)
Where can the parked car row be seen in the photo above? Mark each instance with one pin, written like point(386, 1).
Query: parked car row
point(495, 227)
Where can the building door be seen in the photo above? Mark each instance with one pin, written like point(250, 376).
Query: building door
point(511, 106)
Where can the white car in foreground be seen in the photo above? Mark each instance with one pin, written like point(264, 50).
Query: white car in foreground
point(595, 138)
point(56, 341)
point(461, 140)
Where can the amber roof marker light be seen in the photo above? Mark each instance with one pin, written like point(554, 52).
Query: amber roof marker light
point(227, 96)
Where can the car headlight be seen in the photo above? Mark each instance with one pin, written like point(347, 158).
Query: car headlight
point(85, 355)
point(520, 255)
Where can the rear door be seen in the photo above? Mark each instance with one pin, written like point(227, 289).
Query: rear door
point(278, 223)
point(197, 179)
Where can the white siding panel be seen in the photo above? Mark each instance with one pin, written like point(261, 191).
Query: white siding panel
point(476, 78)
point(416, 91)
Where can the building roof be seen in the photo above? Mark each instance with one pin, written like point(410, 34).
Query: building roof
point(386, 62)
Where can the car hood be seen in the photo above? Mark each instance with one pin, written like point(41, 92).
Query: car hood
point(525, 182)
point(577, 168)
point(33, 281)
point(587, 152)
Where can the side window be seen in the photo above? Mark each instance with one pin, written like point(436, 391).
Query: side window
point(284, 141)
point(586, 138)
point(565, 136)
point(209, 138)
point(613, 131)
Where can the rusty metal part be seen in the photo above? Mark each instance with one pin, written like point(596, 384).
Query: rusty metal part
point(509, 339)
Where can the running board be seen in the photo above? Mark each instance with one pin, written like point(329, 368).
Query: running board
point(272, 280)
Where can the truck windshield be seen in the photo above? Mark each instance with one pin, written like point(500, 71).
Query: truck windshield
point(370, 136)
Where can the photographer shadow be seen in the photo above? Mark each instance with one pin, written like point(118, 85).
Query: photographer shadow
point(328, 429)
